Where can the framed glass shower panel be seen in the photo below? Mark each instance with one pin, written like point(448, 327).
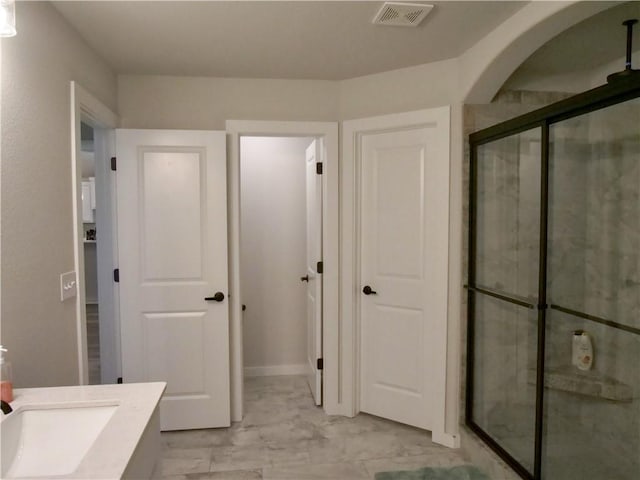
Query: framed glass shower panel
point(554, 248)
point(591, 424)
point(592, 417)
point(504, 293)
point(504, 400)
point(508, 215)
point(594, 214)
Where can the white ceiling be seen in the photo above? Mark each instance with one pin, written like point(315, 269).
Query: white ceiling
point(330, 40)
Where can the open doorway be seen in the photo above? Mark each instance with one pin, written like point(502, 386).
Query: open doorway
point(97, 185)
point(281, 258)
point(89, 232)
point(326, 135)
point(93, 140)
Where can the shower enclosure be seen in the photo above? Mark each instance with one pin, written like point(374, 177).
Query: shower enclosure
point(554, 248)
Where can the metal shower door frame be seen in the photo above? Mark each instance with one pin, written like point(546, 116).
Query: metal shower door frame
point(618, 91)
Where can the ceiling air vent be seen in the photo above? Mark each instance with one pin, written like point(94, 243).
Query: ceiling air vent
point(402, 14)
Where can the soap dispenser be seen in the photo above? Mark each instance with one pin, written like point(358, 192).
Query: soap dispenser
point(6, 379)
point(582, 350)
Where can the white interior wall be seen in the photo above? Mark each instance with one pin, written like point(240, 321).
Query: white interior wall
point(205, 103)
point(156, 101)
point(37, 236)
point(273, 253)
point(574, 82)
point(413, 88)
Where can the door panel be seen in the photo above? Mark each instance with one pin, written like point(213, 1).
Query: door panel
point(185, 331)
point(173, 253)
point(314, 285)
point(396, 329)
point(399, 218)
point(171, 195)
point(395, 321)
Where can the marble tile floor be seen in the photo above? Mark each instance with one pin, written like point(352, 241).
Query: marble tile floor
point(285, 436)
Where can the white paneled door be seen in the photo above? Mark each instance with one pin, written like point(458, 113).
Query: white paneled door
point(172, 242)
point(313, 277)
point(403, 289)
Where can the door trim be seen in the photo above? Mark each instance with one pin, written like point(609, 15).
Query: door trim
point(84, 107)
point(332, 401)
point(352, 130)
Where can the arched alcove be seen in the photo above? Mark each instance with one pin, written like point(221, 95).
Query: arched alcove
point(485, 67)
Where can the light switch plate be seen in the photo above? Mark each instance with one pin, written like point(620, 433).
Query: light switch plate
point(68, 286)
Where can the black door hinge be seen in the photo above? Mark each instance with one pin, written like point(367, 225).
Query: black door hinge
point(119, 380)
point(113, 163)
point(319, 168)
point(116, 275)
point(320, 364)
point(320, 267)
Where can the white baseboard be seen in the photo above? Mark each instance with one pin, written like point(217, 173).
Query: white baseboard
point(271, 370)
point(446, 439)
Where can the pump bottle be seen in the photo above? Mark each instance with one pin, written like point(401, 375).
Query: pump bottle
point(6, 378)
point(582, 350)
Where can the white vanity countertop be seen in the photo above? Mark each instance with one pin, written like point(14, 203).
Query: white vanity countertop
point(112, 450)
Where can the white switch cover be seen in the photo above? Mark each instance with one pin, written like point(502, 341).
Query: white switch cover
point(68, 286)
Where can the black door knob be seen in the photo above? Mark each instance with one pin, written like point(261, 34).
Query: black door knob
point(217, 297)
point(368, 291)
point(305, 278)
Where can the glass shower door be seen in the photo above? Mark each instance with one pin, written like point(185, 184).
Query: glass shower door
point(592, 415)
point(504, 286)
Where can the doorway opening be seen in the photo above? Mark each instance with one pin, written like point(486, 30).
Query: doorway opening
point(281, 258)
point(98, 333)
point(89, 235)
point(97, 236)
point(326, 135)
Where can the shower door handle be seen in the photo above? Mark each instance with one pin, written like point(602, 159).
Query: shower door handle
point(217, 297)
point(305, 278)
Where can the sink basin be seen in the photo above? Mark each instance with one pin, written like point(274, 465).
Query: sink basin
point(50, 440)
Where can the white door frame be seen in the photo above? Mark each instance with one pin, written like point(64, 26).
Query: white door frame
point(330, 236)
point(350, 261)
point(86, 108)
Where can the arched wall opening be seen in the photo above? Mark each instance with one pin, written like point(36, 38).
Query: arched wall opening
point(485, 67)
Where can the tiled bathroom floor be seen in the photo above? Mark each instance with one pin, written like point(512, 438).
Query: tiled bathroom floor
point(285, 436)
